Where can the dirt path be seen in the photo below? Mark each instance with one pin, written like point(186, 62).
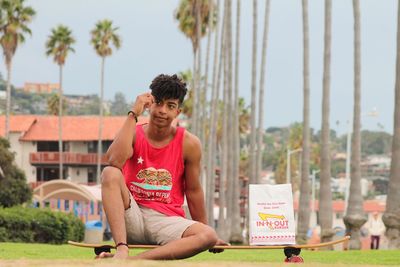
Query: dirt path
point(86, 263)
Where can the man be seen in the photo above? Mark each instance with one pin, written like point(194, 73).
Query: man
point(375, 228)
point(152, 167)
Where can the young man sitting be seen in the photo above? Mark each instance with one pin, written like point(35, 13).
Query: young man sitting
point(152, 167)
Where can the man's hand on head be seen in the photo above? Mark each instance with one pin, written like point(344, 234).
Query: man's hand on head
point(142, 102)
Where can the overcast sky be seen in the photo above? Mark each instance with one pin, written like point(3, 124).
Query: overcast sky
point(152, 44)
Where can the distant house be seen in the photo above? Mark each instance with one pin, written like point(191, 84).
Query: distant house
point(47, 88)
point(376, 165)
point(34, 139)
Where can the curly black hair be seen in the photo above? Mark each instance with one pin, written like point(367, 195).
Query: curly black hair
point(168, 87)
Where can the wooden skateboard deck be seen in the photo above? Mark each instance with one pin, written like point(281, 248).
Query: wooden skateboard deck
point(289, 250)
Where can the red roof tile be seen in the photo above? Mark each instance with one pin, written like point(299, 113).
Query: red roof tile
point(75, 128)
point(18, 123)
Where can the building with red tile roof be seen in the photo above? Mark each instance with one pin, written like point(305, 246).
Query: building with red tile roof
point(34, 139)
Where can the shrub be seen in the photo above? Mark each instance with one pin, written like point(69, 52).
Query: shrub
point(18, 224)
point(13, 187)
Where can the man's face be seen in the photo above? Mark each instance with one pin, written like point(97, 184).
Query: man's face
point(163, 112)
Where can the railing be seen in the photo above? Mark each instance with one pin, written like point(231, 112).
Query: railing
point(68, 158)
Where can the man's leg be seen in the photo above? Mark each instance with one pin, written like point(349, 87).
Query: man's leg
point(197, 238)
point(377, 241)
point(115, 196)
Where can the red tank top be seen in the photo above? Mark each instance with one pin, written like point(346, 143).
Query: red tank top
point(155, 176)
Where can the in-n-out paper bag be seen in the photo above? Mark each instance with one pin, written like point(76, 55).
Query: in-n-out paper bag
point(271, 215)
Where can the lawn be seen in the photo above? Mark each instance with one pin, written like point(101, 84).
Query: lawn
point(22, 254)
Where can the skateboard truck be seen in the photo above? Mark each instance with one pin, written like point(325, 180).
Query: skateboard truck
point(105, 248)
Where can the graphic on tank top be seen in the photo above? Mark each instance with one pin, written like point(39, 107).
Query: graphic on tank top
point(152, 184)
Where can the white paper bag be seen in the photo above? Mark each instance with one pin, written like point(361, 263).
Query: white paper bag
point(271, 215)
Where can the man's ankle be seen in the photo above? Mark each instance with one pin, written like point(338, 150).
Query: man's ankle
point(122, 249)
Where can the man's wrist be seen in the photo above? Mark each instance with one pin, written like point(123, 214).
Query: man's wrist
point(133, 114)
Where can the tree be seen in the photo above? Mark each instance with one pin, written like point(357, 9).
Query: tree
point(14, 20)
point(13, 187)
point(102, 36)
point(253, 133)
point(223, 225)
point(304, 202)
point(53, 105)
point(236, 230)
point(193, 17)
point(119, 106)
point(325, 193)
point(260, 132)
point(391, 217)
point(212, 135)
point(355, 217)
point(58, 45)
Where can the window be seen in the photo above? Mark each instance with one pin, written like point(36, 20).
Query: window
point(92, 175)
point(66, 205)
point(91, 207)
point(47, 146)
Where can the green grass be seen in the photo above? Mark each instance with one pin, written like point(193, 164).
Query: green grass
point(14, 251)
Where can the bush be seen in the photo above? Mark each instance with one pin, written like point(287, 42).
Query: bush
point(18, 224)
point(13, 187)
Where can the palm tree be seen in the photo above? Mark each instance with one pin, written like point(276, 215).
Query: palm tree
point(14, 20)
point(58, 45)
point(236, 230)
point(203, 97)
point(252, 172)
point(102, 37)
point(223, 227)
point(355, 216)
point(212, 143)
point(260, 131)
point(53, 105)
point(304, 206)
point(188, 14)
point(391, 217)
point(325, 193)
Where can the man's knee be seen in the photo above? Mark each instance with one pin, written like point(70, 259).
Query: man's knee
point(208, 238)
point(110, 175)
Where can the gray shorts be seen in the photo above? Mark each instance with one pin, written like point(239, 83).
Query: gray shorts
point(147, 226)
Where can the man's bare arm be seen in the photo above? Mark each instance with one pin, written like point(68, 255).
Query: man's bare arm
point(121, 148)
point(193, 190)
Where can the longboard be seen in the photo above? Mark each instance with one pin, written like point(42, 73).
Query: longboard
point(289, 250)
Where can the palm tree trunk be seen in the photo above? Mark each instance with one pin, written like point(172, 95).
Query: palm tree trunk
point(197, 71)
point(303, 221)
point(236, 229)
point(230, 118)
point(252, 157)
point(222, 226)
point(194, 94)
point(99, 144)
point(206, 138)
point(260, 131)
point(8, 104)
point(325, 207)
point(212, 146)
point(355, 217)
point(391, 217)
point(60, 115)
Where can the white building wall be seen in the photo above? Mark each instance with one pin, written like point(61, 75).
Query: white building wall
point(22, 151)
point(78, 174)
point(30, 171)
